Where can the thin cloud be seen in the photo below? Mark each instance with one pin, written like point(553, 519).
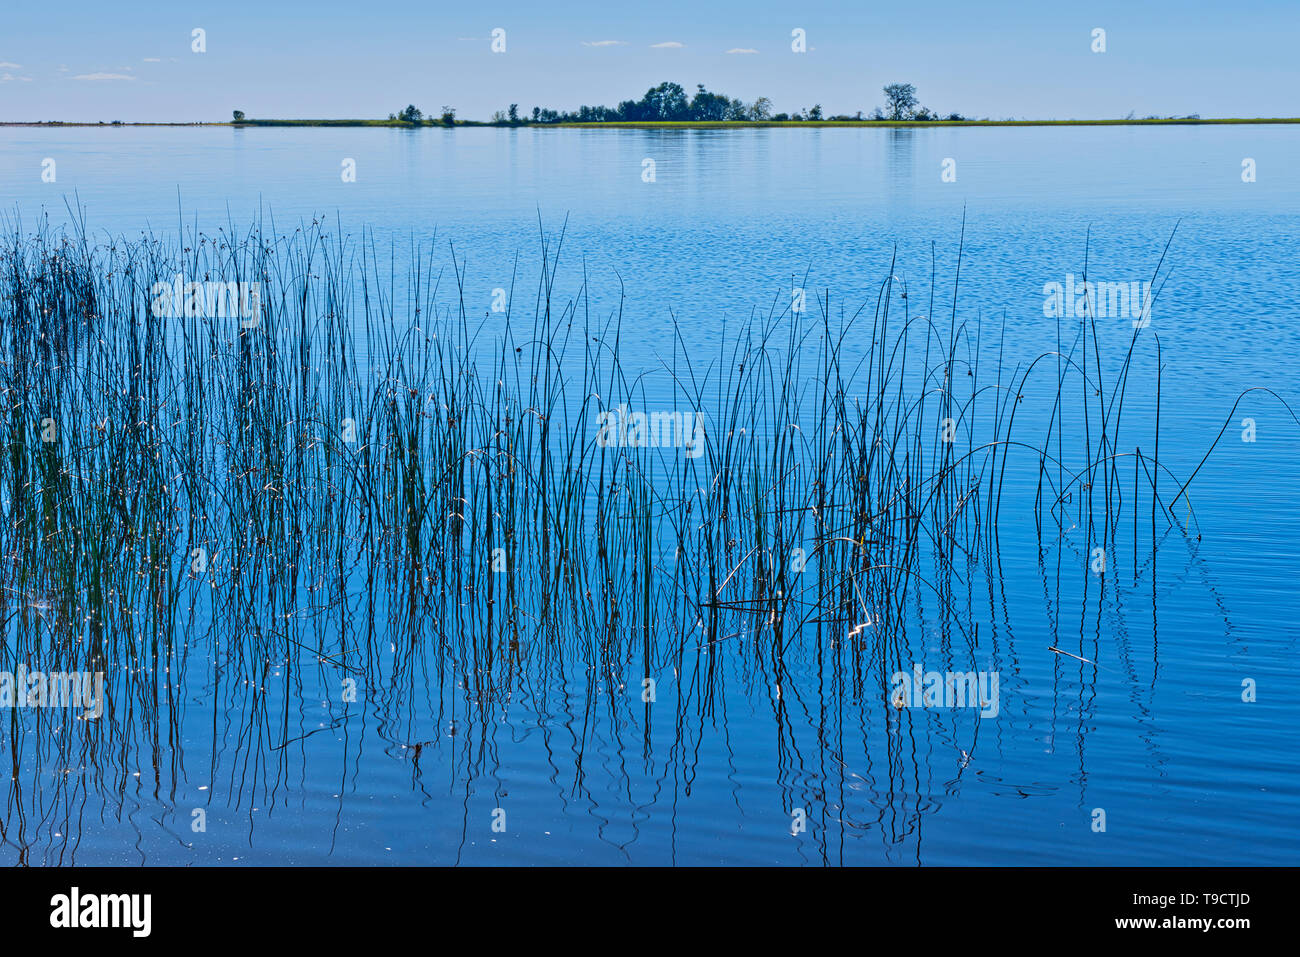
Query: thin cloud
point(9, 78)
point(153, 59)
point(98, 77)
point(741, 50)
point(670, 45)
point(10, 66)
point(604, 43)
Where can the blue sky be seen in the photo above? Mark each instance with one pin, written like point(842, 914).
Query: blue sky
point(91, 60)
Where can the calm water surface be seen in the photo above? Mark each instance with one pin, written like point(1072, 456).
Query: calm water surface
point(1156, 734)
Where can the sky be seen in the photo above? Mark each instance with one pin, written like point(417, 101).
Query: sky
point(90, 60)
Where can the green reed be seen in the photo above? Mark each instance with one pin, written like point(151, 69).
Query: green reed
point(366, 463)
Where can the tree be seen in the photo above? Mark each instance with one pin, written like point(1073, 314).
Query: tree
point(239, 116)
point(816, 112)
point(737, 110)
point(631, 110)
point(667, 101)
point(761, 109)
point(410, 115)
point(902, 100)
point(513, 113)
point(709, 106)
point(448, 116)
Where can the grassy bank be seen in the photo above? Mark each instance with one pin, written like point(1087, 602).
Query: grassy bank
point(706, 124)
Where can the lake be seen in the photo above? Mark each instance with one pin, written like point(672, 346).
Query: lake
point(1142, 698)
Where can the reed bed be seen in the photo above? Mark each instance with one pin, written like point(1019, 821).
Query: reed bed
point(367, 484)
point(364, 466)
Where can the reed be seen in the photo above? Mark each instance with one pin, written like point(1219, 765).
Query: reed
point(366, 463)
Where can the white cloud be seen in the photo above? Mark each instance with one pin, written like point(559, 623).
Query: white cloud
point(604, 43)
point(741, 50)
point(153, 59)
point(10, 66)
point(670, 45)
point(102, 76)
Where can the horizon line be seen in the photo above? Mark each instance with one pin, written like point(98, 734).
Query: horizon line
point(438, 124)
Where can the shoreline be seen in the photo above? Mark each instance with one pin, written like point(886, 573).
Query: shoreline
point(674, 124)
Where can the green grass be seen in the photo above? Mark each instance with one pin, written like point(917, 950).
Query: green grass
point(742, 124)
point(718, 124)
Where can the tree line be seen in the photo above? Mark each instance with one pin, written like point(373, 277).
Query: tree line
point(669, 102)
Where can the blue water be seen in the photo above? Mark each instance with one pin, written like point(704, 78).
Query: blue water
point(1156, 734)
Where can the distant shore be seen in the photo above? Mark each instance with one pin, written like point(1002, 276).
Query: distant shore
point(687, 124)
